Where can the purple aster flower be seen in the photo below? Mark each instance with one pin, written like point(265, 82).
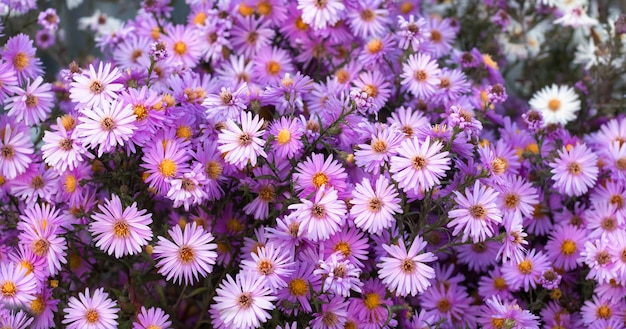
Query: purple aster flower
point(322, 216)
point(340, 275)
point(17, 285)
point(94, 89)
point(321, 14)
point(16, 148)
point(497, 313)
point(496, 94)
point(249, 35)
point(182, 45)
point(106, 126)
point(575, 170)
point(419, 165)
point(32, 104)
point(374, 208)
point(405, 272)
point(270, 64)
point(525, 273)
point(550, 279)
point(159, 51)
point(186, 190)
point(334, 313)
point(421, 75)
point(442, 36)
point(451, 304)
point(227, 104)
point(287, 95)
point(48, 19)
point(45, 39)
point(478, 214)
point(19, 51)
point(244, 302)
point(411, 33)
point(87, 311)
point(317, 171)
point(383, 145)
point(534, 120)
point(190, 254)
point(465, 120)
point(597, 255)
point(152, 318)
point(163, 161)
point(120, 230)
point(242, 145)
point(40, 228)
point(287, 137)
point(62, 150)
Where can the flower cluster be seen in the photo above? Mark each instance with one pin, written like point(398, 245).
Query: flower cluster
point(319, 164)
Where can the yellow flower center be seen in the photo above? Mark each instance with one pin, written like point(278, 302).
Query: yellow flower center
point(186, 255)
point(499, 283)
point(184, 132)
point(300, 24)
point(319, 179)
point(273, 67)
point(199, 18)
point(371, 301)
point(180, 48)
point(343, 247)
point(284, 136)
point(213, 169)
point(604, 312)
point(525, 267)
point(298, 287)
point(121, 229)
point(8, 289)
point(92, 316)
point(70, 183)
point(374, 46)
point(245, 10)
point(554, 105)
point(167, 168)
point(21, 61)
point(28, 266)
point(37, 306)
point(264, 8)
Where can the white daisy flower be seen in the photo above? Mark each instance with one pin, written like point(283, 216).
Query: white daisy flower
point(558, 104)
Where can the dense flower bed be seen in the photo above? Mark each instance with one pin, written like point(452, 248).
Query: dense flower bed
point(314, 164)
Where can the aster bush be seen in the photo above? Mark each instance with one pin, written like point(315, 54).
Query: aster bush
point(313, 164)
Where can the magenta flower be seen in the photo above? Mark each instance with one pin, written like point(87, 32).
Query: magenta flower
point(183, 45)
point(314, 172)
point(321, 217)
point(244, 302)
point(242, 144)
point(152, 318)
point(32, 104)
point(190, 254)
point(17, 285)
point(94, 89)
point(477, 215)
point(15, 149)
point(419, 166)
point(405, 272)
point(374, 208)
point(120, 231)
point(62, 149)
point(19, 51)
point(421, 75)
point(321, 14)
point(87, 311)
point(526, 273)
point(575, 170)
point(40, 228)
point(340, 275)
